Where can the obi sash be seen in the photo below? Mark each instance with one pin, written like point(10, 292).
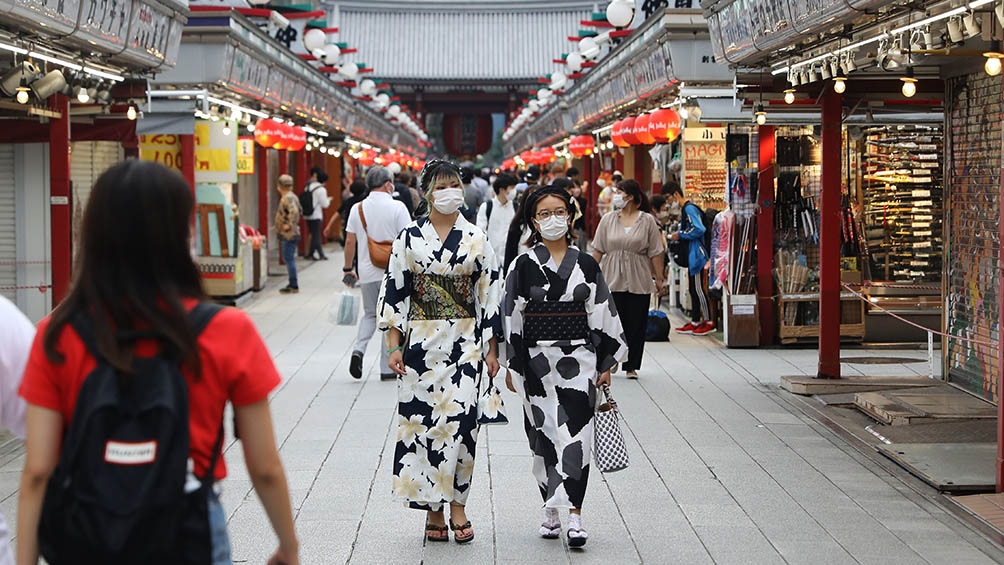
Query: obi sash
point(442, 297)
point(555, 321)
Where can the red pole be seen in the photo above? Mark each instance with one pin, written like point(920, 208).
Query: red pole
point(765, 236)
point(1000, 350)
point(829, 240)
point(188, 159)
point(59, 201)
point(283, 162)
point(263, 182)
point(300, 176)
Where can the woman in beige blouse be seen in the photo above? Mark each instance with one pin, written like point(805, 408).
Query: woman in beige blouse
point(629, 247)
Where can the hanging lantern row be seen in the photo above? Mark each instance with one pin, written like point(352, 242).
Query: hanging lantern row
point(542, 156)
point(279, 135)
point(660, 126)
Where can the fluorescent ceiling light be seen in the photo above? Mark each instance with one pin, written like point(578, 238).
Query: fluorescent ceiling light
point(706, 92)
point(66, 64)
point(231, 105)
point(102, 74)
point(932, 19)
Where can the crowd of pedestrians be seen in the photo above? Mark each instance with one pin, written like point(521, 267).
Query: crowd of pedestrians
point(468, 275)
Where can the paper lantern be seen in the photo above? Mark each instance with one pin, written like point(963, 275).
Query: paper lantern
point(367, 87)
point(641, 125)
point(620, 13)
point(297, 138)
point(581, 145)
point(547, 155)
point(664, 125)
point(617, 134)
point(367, 158)
point(314, 39)
point(267, 132)
point(348, 71)
point(574, 61)
point(331, 54)
point(628, 131)
point(283, 137)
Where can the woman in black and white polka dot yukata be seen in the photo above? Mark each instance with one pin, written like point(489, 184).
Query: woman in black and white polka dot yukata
point(563, 337)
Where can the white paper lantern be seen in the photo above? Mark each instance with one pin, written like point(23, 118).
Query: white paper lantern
point(620, 13)
point(574, 61)
point(559, 81)
point(314, 39)
point(318, 54)
point(348, 71)
point(589, 48)
point(544, 95)
point(382, 100)
point(367, 87)
point(394, 111)
point(331, 54)
point(533, 105)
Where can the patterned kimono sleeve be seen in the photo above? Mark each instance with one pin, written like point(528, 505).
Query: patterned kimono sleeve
point(489, 295)
point(395, 292)
point(605, 326)
point(512, 307)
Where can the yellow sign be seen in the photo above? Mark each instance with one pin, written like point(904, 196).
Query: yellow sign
point(212, 160)
point(245, 156)
point(215, 152)
point(163, 149)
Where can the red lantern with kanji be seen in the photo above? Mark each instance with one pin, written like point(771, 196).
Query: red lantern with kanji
point(628, 131)
point(664, 125)
point(546, 155)
point(617, 134)
point(367, 158)
point(297, 138)
point(641, 126)
point(267, 132)
point(581, 145)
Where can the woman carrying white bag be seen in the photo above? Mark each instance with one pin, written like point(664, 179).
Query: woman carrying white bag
point(564, 336)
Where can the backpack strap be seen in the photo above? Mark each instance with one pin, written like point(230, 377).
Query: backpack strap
point(209, 479)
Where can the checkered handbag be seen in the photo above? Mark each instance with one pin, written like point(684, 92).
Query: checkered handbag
point(609, 449)
point(490, 408)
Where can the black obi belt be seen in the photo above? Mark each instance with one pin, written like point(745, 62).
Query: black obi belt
point(442, 297)
point(555, 321)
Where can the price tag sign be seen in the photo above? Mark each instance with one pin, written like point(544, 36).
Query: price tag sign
point(163, 149)
point(245, 156)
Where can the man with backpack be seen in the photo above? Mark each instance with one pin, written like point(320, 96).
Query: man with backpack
point(695, 256)
point(495, 215)
point(314, 199)
point(374, 223)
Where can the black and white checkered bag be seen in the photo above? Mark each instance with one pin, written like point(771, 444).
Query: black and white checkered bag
point(609, 448)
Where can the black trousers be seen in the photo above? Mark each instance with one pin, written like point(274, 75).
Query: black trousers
point(632, 309)
point(315, 238)
point(698, 299)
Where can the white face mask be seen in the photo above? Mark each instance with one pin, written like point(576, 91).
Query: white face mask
point(553, 228)
point(448, 200)
point(619, 202)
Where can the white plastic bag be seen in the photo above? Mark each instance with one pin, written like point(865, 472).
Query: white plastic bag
point(344, 309)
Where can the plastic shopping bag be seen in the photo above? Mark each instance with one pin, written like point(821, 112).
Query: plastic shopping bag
point(344, 310)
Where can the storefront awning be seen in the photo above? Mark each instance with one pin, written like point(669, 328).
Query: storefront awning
point(723, 110)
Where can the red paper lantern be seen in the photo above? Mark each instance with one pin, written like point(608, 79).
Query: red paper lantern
point(641, 126)
point(617, 134)
point(546, 155)
point(664, 125)
point(367, 158)
point(581, 145)
point(297, 138)
point(628, 132)
point(267, 132)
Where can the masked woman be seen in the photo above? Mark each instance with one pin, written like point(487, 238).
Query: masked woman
point(563, 336)
point(440, 306)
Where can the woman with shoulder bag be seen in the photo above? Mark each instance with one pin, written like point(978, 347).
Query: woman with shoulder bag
point(137, 302)
point(563, 337)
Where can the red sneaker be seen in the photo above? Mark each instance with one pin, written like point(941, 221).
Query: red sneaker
point(704, 329)
point(688, 329)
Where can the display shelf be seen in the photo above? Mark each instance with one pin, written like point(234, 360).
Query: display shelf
point(803, 325)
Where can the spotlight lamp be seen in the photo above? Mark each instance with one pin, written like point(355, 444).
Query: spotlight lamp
point(825, 71)
point(848, 65)
point(52, 82)
point(909, 83)
point(17, 77)
point(971, 21)
point(761, 115)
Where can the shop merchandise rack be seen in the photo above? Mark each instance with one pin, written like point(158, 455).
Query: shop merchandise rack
point(903, 195)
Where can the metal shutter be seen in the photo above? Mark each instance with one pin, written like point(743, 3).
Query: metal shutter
point(88, 159)
point(974, 157)
point(8, 225)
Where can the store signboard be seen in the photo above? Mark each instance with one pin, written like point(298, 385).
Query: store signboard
point(248, 74)
point(163, 149)
point(651, 72)
point(104, 24)
point(245, 155)
point(215, 152)
point(57, 18)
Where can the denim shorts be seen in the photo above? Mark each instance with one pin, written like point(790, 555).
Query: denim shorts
point(218, 530)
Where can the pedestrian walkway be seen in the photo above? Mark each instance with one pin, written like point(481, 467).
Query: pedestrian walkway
point(723, 469)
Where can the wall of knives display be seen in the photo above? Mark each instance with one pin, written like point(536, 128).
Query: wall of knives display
point(796, 210)
point(903, 195)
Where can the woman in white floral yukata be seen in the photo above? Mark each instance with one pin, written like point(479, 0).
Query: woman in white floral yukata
point(440, 307)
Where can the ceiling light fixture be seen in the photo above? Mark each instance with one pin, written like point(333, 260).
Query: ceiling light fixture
point(789, 96)
point(909, 83)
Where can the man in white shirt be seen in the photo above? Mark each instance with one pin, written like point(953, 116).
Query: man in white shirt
point(16, 336)
point(315, 186)
point(495, 215)
point(381, 218)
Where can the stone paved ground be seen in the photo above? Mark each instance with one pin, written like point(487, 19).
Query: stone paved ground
point(724, 469)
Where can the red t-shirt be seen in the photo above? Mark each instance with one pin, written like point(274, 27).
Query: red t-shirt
point(236, 366)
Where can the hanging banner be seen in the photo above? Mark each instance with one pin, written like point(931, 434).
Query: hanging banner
point(163, 149)
point(245, 155)
point(215, 152)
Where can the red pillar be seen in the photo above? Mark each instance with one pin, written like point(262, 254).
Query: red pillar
point(829, 240)
point(765, 235)
point(59, 201)
point(619, 160)
point(188, 159)
point(300, 177)
point(263, 183)
point(1000, 350)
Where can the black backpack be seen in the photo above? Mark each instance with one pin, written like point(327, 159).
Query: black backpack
point(709, 227)
point(307, 200)
point(118, 494)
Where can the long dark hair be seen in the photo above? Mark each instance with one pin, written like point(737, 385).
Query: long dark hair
point(530, 211)
point(632, 189)
point(134, 266)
